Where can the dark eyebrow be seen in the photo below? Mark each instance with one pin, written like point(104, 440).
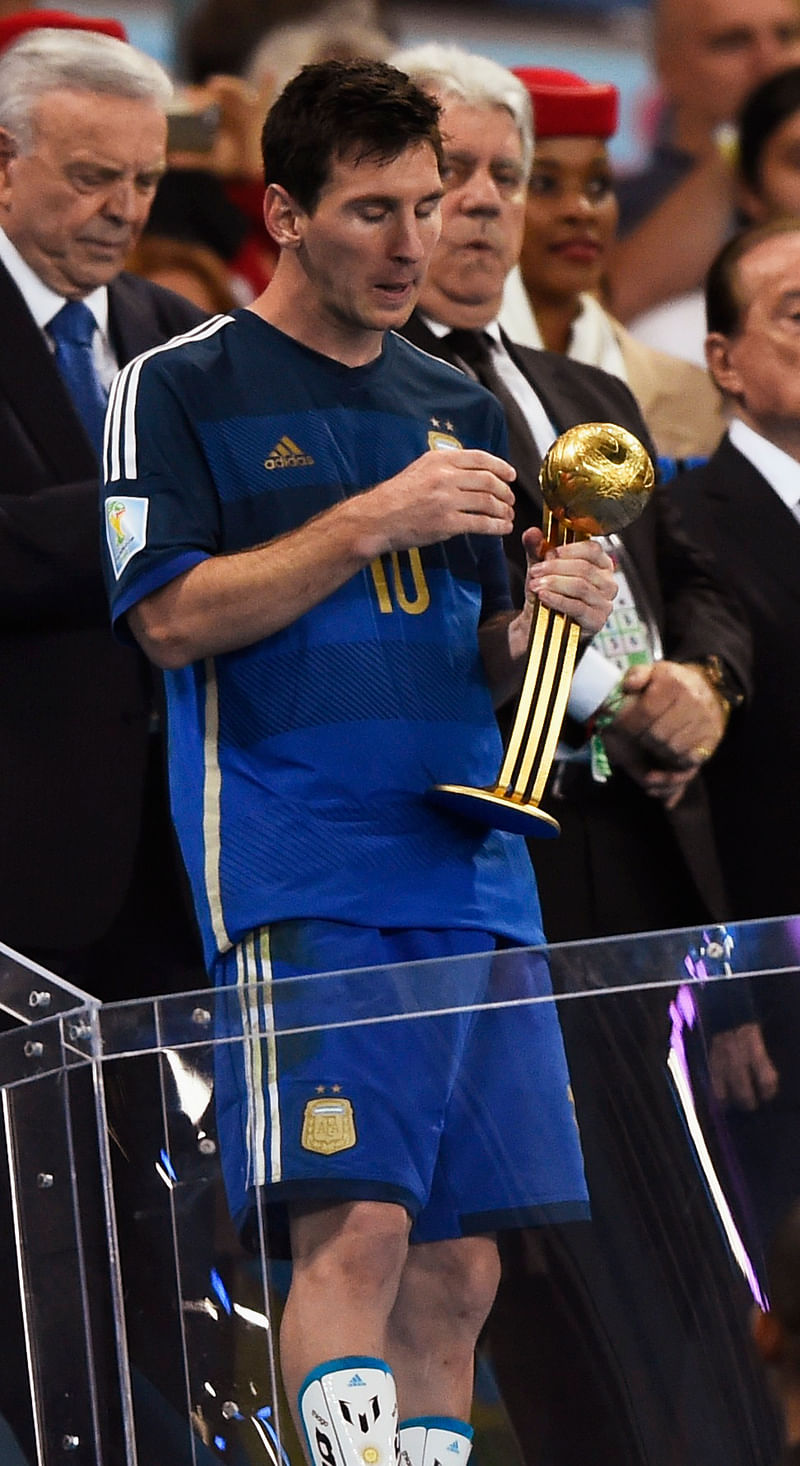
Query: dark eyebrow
point(390, 200)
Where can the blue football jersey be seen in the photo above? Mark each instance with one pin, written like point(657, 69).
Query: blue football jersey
point(299, 765)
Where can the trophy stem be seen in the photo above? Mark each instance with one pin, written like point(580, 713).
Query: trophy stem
point(544, 696)
point(512, 802)
point(539, 756)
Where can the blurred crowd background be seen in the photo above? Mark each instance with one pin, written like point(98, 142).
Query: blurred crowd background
point(600, 39)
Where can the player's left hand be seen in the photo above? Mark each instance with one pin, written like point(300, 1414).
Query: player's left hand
point(575, 579)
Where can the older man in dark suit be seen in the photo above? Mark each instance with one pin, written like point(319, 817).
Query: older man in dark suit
point(745, 504)
point(688, 658)
point(89, 879)
point(579, 1308)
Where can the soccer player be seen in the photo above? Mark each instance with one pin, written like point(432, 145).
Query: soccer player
point(304, 519)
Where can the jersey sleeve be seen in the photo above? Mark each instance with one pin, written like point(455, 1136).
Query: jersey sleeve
point(159, 505)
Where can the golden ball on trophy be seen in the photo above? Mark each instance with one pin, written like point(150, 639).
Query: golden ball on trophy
point(596, 478)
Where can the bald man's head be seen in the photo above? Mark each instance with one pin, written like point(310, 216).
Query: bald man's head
point(711, 55)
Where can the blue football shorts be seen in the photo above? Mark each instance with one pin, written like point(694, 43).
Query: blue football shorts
point(325, 1094)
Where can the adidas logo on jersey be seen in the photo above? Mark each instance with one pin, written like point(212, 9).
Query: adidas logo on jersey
point(286, 454)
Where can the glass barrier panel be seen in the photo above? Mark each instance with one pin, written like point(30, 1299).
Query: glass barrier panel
point(45, 1029)
point(585, 1103)
point(29, 992)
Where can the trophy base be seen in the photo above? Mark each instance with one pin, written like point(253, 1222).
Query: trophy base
point(486, 807)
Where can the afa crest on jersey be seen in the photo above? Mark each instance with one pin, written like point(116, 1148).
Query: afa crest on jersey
point(126, 530)
point(442, 435)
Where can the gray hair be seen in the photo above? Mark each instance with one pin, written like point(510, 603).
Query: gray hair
point(47, 60)
point(342, 30)
point(476, 80)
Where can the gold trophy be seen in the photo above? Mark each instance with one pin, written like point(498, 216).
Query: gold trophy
point(595, 479)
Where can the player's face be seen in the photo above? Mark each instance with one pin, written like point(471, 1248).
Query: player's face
point(713, 52)
point(760, 366)
point(779, 182)
point(76, 204)
point(570, 218)
point(483, 213)
point(365, 248)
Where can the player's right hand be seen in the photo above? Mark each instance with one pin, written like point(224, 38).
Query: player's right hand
point(443, 493)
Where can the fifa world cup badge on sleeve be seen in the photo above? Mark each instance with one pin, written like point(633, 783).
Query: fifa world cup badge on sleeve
point(126, 529)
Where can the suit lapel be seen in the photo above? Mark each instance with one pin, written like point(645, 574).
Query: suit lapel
point(551, 384)
point(29, 378)
point(131, 319)
point(739, 497)
point(418, 334)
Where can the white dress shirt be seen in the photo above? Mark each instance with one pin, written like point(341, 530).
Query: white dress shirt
point(43, 303)
point(781, 471)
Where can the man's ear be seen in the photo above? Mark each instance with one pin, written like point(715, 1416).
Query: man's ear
point(720, 365)
point(767, 1335)
point(8, 153)
point(283, 217)
point(749, 204)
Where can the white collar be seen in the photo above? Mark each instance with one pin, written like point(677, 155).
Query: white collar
point(42, 302)
point(439, 330)
point(781, 471)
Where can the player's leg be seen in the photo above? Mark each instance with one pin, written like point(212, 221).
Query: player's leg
point(347, 1264)
point(445, 1294)
point(509, 1153)
point(347, 1261)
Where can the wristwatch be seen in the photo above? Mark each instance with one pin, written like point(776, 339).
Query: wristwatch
point(719, 679)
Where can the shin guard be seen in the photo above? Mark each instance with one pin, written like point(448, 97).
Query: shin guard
point(349, 1412)
point(435, 1440)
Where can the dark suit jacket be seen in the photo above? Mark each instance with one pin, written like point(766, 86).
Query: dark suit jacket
point(754, 779)
point(694, 614)
point(75, 705)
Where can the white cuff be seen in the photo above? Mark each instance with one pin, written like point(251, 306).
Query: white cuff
point(594, 679)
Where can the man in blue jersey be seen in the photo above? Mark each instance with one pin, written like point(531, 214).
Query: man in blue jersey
point(325, 589)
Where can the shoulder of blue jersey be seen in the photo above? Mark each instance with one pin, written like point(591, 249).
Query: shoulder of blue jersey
point(119, 447)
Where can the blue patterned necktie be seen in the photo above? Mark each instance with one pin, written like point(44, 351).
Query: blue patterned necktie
point(72, 330)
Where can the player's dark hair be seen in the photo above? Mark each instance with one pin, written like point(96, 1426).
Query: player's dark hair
point(343, 109)
point(725, 305)
point(765, 110)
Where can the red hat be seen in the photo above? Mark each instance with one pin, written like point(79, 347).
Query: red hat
point(12, 27)
point(564, 105)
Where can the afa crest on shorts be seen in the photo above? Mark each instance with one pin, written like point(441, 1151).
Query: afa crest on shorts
point(328, 1125)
